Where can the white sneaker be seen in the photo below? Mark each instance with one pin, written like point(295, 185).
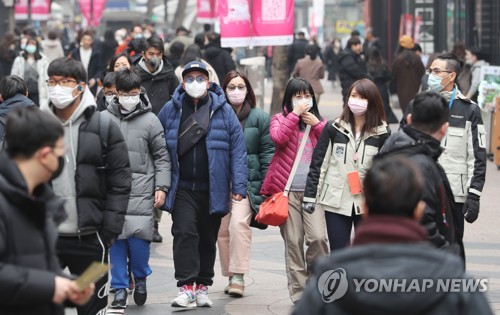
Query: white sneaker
point(202, 299)
point(185, 298)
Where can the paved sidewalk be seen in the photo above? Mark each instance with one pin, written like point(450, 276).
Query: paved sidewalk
point(266, 285)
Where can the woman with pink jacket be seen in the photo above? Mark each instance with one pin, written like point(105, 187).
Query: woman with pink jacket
point(286, 130)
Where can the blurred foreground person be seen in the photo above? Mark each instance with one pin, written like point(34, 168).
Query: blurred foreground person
point(420, 140)
point(390, 247)
point(31, 280)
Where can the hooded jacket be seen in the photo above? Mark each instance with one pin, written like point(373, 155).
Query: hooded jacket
point(96, 191)
point(220, 59)
point(284, 132)
point(333, 159)
point(28, 259)
point(464, 158)
point(149, 163)
point(439, 219)
point(159, 85)
point(225, 143)
point(389, 248)
point(16, 101)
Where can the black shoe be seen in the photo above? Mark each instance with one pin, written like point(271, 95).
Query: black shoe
point(120, 300)
point(140, 291)
point(157, 238)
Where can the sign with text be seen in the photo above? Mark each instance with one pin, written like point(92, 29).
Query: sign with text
point(256, 23)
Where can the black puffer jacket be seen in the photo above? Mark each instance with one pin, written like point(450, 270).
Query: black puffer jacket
point(16, 101)
point(439, 219)
point(102, 187)
point(352, 68)
point(159, 87)
point(28, 261)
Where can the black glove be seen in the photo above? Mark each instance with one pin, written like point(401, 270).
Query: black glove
point(471, 208)
point(308, 207)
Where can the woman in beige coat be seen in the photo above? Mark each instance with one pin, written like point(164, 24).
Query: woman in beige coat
point(311, 69)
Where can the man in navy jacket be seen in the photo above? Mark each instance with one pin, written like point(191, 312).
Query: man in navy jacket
point(203, 176)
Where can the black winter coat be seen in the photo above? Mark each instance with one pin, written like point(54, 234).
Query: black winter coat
point(96, 64)
point(28, 260)
point(159, 87)
point(352, 68)
point(102, 187)
point(296, 51)
point(220, 60)
point(439, 219)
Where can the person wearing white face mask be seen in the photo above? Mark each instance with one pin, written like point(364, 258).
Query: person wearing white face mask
point(31, 65)
point(235, 235)
point(150, 166)
point(208, 154)
point(95, 183)
point(341, 158)
point(464, 158)
point(298, 126)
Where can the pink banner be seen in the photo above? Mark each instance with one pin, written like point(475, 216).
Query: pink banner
point(40, 10)
point(409, 25)
point(266, 23)
point(97, 6)
point(207, 11)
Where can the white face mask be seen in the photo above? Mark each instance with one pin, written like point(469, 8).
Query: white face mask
point(306, 101)
point(109, 99)
point(196, 89)
point(129, 102)
point(61, 96)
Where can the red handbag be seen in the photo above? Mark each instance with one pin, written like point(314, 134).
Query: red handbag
point(274, 210)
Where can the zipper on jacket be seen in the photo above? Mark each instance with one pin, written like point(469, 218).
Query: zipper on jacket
point(462, 183)
point(324, 194)
point(363, 158)
point(187, 129)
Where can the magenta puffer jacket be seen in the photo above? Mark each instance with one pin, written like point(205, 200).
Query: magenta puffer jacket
point(284, 131)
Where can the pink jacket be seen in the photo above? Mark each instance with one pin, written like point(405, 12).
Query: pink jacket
point(284, 131)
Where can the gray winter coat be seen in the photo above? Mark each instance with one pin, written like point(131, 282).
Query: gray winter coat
point(149, 163)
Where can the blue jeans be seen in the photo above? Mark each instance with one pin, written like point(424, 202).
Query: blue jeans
point(139, 250)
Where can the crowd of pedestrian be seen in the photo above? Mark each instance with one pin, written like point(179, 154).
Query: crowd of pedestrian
point(98, 140)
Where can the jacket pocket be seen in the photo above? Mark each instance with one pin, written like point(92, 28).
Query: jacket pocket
point(331, 194)
point(458, 183)
point(456, 143)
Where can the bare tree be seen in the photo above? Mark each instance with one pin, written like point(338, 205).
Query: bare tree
point(179, 14)
point(280, 77)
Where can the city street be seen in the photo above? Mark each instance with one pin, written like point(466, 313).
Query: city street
point(266, 285)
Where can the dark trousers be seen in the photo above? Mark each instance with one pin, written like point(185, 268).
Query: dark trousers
point(458, 216)
point(339, 229)
point(195, 237)
point(77, 253)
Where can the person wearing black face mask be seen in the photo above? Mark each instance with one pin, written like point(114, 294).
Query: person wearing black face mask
point(31, 277)
point(159, 80)
point(157, 73)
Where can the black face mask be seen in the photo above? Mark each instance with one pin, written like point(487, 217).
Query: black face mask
point(59, 169)
point(154, 62)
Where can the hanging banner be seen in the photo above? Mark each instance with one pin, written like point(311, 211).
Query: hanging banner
point(98, 6)
point(235, 23)
point(273, 22)
point(266, 23)
point(40, 10)
point(409, 24)
point(207, 11)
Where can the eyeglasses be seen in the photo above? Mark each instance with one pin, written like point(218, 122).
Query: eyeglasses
point(62, 82)
point(234, 87)
point(127, 95)
point(436, 71)
point(199, 79)
point(301, 97)
point(110, 93)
